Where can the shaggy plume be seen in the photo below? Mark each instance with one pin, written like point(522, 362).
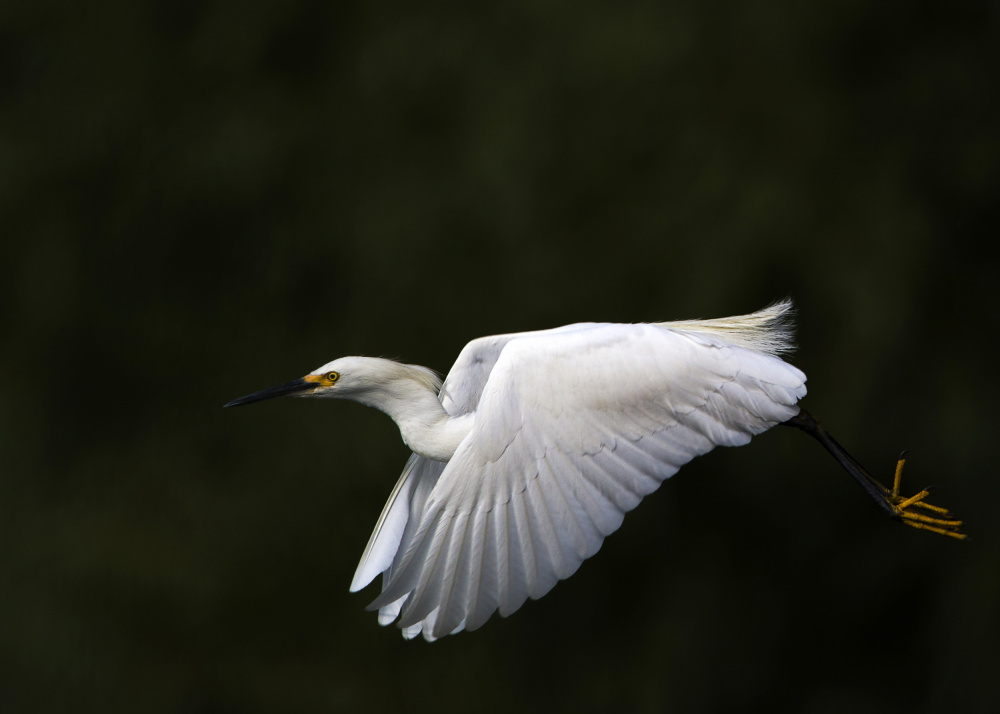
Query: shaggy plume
point(770, 330)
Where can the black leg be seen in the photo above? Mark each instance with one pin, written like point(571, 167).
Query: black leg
point(807, 423)
point(906, 510)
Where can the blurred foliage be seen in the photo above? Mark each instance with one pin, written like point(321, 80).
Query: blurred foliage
point(201, 199)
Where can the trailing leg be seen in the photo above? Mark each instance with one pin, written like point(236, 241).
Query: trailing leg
point(912, 511)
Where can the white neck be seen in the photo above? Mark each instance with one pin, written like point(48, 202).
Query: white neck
point(423, 423)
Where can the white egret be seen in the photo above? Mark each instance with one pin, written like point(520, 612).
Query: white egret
point(538, 443)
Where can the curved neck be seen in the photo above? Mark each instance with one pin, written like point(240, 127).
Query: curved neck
point(423, 423)
point(438, 439)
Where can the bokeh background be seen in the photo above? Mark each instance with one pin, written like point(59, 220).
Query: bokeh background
point(201, 199)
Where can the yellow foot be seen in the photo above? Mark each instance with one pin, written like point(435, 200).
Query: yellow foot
point(907, 509)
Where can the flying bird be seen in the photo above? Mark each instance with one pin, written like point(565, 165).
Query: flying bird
point(537, 444)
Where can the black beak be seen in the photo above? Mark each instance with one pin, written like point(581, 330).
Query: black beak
point(289, 389)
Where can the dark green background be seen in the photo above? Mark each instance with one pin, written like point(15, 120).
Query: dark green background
point(199, 200)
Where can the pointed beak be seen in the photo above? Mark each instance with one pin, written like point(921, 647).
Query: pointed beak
point(296, 388)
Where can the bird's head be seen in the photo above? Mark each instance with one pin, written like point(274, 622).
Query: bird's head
point(354, 378)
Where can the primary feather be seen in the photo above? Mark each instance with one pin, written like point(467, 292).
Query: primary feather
point(562, 432)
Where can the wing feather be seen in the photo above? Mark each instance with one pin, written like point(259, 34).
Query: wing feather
point(548, 539)
point(572, 429)
point(518, 569)
point(408, 497)
point(432, 576)
point(566, 514)
point(466, 576)
point(486, 591)
point(593, 501)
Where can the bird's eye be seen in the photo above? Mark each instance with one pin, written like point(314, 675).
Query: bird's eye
point(332, 377)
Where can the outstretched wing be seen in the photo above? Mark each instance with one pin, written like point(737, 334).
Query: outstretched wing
point(459, 395)
point(573, 428)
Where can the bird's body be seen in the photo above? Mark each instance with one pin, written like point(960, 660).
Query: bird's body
point(538, 443)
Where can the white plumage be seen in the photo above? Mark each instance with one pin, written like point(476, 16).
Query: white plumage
point(538, 443)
